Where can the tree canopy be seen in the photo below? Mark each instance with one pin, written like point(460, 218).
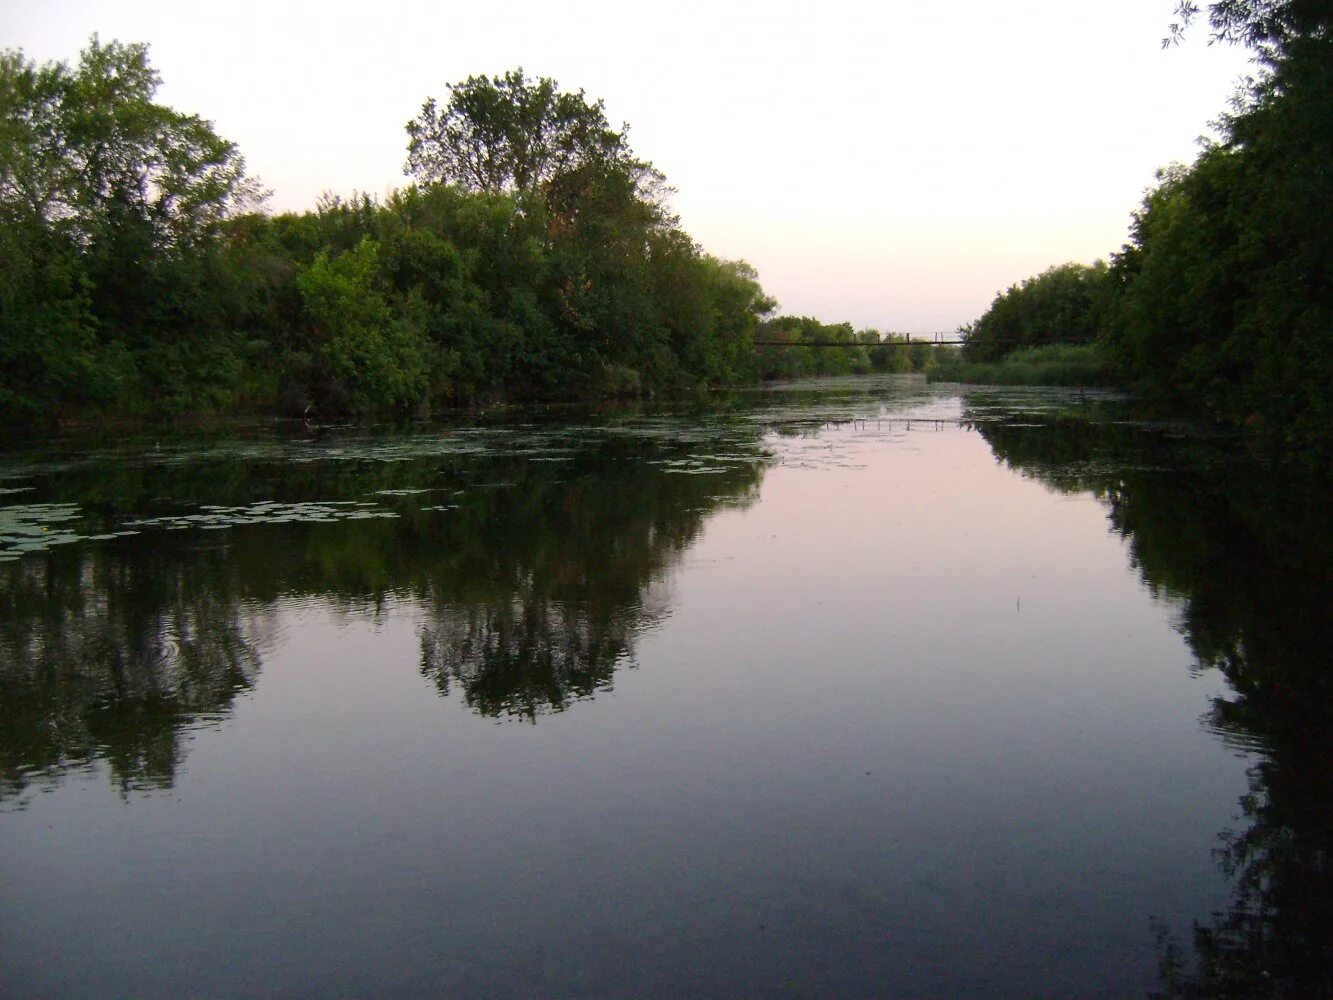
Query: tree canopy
point(513, 135)
point(1222, 297)
point(88, 149)
point(110, 205)
point(1267, 26)
point(1065, 304)
point(533, 257)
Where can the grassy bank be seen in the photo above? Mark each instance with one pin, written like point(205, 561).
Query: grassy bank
point(1053, 364)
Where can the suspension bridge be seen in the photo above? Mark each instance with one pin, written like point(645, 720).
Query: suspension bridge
point(908, 340)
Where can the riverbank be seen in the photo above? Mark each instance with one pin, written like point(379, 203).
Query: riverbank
point(1051, 365)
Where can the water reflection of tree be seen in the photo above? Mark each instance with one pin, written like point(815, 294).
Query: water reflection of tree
point(545, 589)
point(535, 583)
point(110, 659)
point(524, 658)
point(1247, 553)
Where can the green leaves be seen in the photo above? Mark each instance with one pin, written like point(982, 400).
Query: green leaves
point(510, 135)
point(110, 213)
point(1224, 290)
point(88, 149)
point(377, 358)
point(537, 258)
point(1062, 305)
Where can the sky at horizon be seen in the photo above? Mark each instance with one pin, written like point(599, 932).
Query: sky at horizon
point(893, 165)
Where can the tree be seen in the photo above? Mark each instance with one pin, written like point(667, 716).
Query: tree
point(88, 149)
point(110, 207)
point(1269, 27)
point(511, 135)
point(1225, 291)
point(1062, 305)
point(34, 176)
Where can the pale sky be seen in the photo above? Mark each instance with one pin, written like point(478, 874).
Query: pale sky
point(893, 164)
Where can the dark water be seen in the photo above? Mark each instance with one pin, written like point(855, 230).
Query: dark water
point(789, 696)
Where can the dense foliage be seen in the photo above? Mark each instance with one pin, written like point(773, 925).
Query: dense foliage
point(110, 215)
point(1063, 305)
point(1225, 285)
point(533, 256)
point(1221, 298)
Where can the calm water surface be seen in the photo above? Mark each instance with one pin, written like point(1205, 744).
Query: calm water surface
point(855, 689)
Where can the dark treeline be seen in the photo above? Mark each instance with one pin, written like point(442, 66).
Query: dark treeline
point(531, 255)
point(867, 350)
point(1221, 298)
point(1246, 560)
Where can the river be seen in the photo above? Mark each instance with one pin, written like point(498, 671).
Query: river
point(860, 687)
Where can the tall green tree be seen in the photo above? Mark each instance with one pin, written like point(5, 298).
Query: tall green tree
point(110, 207)
point(510, 134)
point(88, 150)
point(619, 276)
point(1226, 285)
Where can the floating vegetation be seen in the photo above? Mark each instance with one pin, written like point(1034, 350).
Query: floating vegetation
point(402, 449)
point(31, 528)
point(268, 512)
point(164, 481)
point(36, 527)
point(708, 464)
